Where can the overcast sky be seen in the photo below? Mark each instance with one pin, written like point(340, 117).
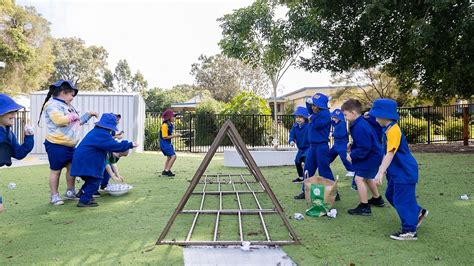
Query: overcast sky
point(160, 38)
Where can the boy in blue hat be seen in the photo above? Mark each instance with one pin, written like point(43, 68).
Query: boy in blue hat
point(319, 127)
point(9, 146)
point(401, 168)
point(89, 158)
point(299, 136)
point(341, 139)
point(365, 156)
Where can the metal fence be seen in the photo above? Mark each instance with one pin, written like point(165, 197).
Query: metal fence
point(18, 128)
point(420, 125)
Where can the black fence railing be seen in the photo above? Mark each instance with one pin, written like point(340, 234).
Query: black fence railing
point(420, 125)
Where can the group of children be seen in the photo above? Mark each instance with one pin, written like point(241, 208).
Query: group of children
point(378, 148)
point(92, 160)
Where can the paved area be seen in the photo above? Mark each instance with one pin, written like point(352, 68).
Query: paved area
point(31, 159)
point(235, 256)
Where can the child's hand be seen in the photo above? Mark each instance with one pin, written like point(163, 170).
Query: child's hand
point(117, 178)
point(29, 130)
point(95, 114)
point(366, 114)
point(309, 100)
point(292, 143)
point(135, 144)
point(379, 178)
point(348, 148)
point(349, 157)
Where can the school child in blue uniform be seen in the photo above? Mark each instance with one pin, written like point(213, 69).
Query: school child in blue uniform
point(166, 135)
point(89, 158)
point(376, 126)
point(319, 127)
point(341, 139)
point(365, 156)
point(9, 146)
point(299, 136)
point(401, 168)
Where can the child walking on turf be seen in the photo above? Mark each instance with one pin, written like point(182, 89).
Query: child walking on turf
point(299, 136)
point(166, 135)
point(9, 146)
point(401, 168)
point(341, 139)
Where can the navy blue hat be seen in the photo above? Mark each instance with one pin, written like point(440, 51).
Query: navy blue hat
point(338, 114)
point(60, 82)
point(108, 121)
point(301, 111)
point(384, 108)
point(320, 100)
point(8, 105)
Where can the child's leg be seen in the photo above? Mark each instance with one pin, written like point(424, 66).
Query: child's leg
point(171, 162)
point(362, 189)
point(332, 155)
point(106, 178)
point(310, 164)
point(323, 162)
point(54, 181)
point(404, 198)
point(389, 191)
point(299, 167)
point(373, 187)
point(70, 181)
point(168, 158)
point(91, 185)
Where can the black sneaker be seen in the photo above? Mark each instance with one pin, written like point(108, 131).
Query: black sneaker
point(422, 215)
point(96, 195)
point(170, 173)
point(300, 196)
point(404, 236)
point(164, 173)
point(338, 197)
point(379, 202)
point(298, 180)
point(88, 204)
point(361, 209)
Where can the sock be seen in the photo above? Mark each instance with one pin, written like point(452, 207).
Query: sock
point(365, 205)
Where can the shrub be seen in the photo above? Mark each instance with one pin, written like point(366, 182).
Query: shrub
point(453, 129)
point(415, 129)
point(152, 133)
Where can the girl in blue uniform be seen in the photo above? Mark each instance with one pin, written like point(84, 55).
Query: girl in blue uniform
point(299, 136)
point(319, 127)
point(401, 168)
point(341, 139)
point(166, 135)
point(9, 146)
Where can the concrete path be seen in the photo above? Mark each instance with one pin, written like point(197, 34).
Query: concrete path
point(235, 256)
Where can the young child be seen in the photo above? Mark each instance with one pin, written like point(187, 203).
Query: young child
point(401, 168)
point(341, 139)
point(365, 156)
point(166, 134)
point(63, 127)
point(299, 136)
point(319, 127)
point(89, 158)
point(111, 169)
point(372, 121)
point(9, 146)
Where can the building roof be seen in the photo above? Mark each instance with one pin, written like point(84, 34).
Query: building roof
point(316, 88)
point(193, 102)
point(44, 92)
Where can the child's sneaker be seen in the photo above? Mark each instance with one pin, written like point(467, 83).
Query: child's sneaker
point(70, 194)
point(300, 196)
point(170, 173)
point(88, 204)
point(96, 195)
point(379, 202)
point(338, 197)
point(361, 209)
point(422, 215)
point(404, 236)
point(351, 174)
point(298, 180)
point(56, 200)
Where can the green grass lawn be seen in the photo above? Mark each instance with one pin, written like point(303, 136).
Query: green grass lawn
point(124, 229)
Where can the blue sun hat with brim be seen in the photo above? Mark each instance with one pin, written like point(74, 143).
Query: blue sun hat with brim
point(108, 121)
point(384, 108)
point(301, 111)
point(60, 82)
point(8, 105)
point(337, 113)
point(320, 100)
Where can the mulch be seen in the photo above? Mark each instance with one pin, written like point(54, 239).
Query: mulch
point(455, 147)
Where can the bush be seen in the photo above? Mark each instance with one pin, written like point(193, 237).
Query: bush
point(415, 129)
point(152, 133)
point(453, 129)
point(207, 123)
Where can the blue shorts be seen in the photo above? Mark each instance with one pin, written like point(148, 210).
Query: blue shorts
point(367, 174)
point(167, 149)
point(58, 155)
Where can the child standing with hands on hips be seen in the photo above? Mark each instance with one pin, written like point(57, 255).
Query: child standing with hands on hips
point(9, 146)
point(166, 135)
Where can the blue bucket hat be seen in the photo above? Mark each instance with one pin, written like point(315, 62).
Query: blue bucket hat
point(108, 121)
point(301, 111)
point(320, 100)
point(60, 82)
point(337, 113)
point(384, 108)
point(8, 105)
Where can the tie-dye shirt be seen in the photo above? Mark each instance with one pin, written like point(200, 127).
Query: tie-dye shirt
point(63, 122)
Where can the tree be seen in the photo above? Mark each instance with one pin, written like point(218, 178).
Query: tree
point(224, 77)
point(158, 99)
point(254, 35)
point(78, 63)
point(108, 80)
point(425, 43)
point(138, 82)
point(25, 47)
point(123, 76)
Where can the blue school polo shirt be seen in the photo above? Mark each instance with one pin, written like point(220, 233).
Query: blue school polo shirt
point(366, 152)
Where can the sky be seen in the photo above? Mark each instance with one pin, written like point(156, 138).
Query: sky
point(161, 38)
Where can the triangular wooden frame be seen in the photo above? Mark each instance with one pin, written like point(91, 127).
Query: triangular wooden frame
point(230, 130)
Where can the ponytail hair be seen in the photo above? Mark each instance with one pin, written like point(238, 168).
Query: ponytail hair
point(55, 91)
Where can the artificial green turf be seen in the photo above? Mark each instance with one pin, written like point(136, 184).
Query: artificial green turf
point(124, 229)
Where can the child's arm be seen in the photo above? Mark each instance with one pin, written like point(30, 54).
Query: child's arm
point(320, 120)
point(164, 132)
point(111, 145)
point(116, 171)
point(292, 136)
point(20, 151)
point(85, 117)
point(387, 160)
point(112, 173)
point(340, 130)
point(309, 105)
point(394, 137)
point(58, 117)
point(363, 145)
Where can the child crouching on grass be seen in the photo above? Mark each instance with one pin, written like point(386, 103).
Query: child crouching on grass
point(89, 158)
point(111, 169)
point(401, 168)
point(9, 146)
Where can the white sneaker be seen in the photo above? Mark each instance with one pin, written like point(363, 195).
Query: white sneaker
point(351, 174)
point(70, 195)
point(56, 199)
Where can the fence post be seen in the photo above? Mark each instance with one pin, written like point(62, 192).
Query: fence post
point(190, 131)
point(465, 116)
point(428, 116)
point(253, 127)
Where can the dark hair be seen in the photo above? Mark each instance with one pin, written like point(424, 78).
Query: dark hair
point(55, 91)
point(352, 105)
